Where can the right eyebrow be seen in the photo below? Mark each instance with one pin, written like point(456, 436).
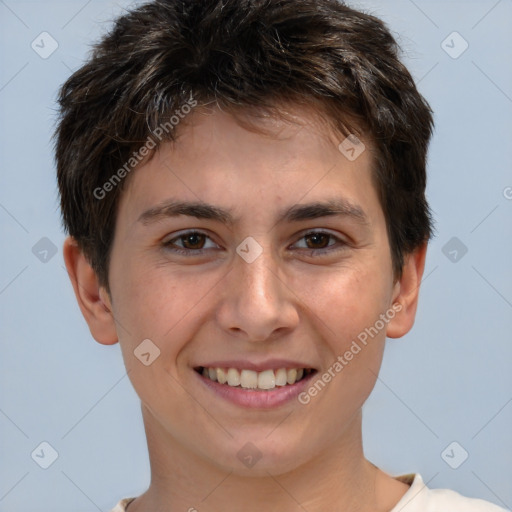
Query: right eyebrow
point(171, 208)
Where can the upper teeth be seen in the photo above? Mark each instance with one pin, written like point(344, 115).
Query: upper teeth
point(267, 379)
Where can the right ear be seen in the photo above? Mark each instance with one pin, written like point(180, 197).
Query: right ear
point(92, 298)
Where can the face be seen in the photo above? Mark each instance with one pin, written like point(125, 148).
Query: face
point(282, 268)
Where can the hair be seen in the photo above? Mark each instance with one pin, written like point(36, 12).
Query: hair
point(241, 56)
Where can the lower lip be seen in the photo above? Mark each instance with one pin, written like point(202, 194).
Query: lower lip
point(264, 399)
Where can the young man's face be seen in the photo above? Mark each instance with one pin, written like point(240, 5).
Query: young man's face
point(263, 292)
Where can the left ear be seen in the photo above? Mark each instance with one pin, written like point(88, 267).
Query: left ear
point(406, 293)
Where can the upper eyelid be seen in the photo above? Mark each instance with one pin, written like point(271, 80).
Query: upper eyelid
point(166, 241)
point(181, 234)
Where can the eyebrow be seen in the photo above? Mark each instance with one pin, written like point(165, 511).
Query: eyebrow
point(299, 212)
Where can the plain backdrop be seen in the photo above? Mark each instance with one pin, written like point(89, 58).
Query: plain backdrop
point(448, 381)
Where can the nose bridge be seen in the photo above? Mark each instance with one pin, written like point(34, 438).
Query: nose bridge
point(256, 300)
point(257, 278)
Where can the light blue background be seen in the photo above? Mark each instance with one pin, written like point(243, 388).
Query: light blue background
point(449, 380)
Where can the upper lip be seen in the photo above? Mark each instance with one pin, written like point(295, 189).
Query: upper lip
point(270, 364)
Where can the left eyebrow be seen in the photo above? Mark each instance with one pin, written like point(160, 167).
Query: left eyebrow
point(300, 212)
point(334, 207)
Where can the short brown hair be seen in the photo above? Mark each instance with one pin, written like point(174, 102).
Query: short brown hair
point(240, 54)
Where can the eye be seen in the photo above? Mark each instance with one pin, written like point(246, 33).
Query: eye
point(192, 242)
point(318, 242)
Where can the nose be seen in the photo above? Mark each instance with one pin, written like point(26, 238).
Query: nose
point(257, 303)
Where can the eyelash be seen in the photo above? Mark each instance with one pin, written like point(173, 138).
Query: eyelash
point(198, 252)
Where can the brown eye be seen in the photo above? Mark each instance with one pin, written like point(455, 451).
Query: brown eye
point(319, 243)
point(193, 240)
point(189, 243)
point(317, 240)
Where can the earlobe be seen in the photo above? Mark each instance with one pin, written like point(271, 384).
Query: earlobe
point(406, 293)
point(92, 298)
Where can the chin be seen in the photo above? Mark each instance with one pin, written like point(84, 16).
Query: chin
point(259, 456)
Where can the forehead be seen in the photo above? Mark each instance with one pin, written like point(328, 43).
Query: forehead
point(225, 160)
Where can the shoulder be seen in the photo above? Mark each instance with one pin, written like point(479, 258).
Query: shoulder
point(419, 498)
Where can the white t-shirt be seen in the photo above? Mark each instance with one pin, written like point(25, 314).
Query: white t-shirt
point(419, 498)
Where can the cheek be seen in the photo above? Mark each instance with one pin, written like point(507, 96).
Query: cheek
point(152, 301)
point(151, 306)
point(346, 309)
point(148, 300)
point(347, 301)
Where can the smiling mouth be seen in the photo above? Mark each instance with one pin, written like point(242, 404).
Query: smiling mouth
point(266, 380)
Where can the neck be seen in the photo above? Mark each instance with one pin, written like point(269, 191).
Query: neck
point(339, 479)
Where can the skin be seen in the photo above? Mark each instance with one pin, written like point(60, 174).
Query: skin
point(289, 303)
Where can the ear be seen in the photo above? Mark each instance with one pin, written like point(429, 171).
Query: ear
point(92, 298)
point(406, 293)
